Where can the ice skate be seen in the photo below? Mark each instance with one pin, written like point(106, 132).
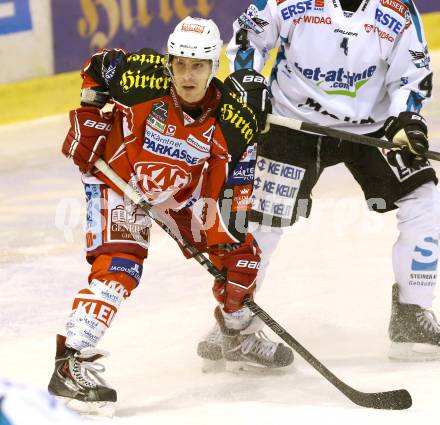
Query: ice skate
point(210, 350)
point(414, 332)
point(77, 383)
point(250, 348)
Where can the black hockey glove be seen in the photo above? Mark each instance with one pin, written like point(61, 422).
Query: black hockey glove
point(410, 135)
point(251, 87)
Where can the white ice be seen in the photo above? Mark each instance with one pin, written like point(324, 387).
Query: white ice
point(329, 285)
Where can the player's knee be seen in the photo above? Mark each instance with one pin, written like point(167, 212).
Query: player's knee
point(121, 268)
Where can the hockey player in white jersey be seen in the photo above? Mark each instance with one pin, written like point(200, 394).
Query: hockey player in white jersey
point(362, 66)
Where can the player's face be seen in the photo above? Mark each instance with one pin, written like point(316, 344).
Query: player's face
point(191, 76)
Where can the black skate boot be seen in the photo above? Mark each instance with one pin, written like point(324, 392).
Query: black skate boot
point(75, 380)
point(251, 348)
point(414, 332)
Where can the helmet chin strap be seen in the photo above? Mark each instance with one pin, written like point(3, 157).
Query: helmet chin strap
point(214, 69)
point(168, 69)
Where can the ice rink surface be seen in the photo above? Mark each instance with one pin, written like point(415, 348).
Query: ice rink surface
point(329, 285)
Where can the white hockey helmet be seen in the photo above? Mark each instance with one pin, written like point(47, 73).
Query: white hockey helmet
point(195, 38)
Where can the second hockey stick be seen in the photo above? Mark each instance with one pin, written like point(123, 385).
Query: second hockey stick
point(391, 400)
point(337, 134)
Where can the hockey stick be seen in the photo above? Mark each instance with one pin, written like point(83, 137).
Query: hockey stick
point(392, 400)
point(337, 134)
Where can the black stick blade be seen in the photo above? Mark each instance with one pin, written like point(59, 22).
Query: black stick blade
point(389, 400)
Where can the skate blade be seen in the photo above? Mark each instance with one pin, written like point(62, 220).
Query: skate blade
point(213, 366)
point(246, 367)
point(91, 410)
point(413, 352)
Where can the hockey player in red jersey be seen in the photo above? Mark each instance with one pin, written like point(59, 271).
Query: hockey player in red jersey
point(185, 141)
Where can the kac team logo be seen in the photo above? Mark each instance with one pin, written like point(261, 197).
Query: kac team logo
point(158, 177)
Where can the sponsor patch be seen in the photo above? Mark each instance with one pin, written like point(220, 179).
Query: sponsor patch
point(369, 28)
point(337, 81)
point(111, 292)
point(126, 266)
point(397, 6)
point(130, 80)
point(198, 144)
point(250, 154)
point(296, 9)
point(249, 20)
point(421, 59)
point(155, 123)
point(193, 28)
point(233, 115)
point(348, 33)
point(424, 263)
point(317, 107)
point(93, 217)
point(171, 130)
point(100, 310)
point(243, 173)
point(109, 72)
point(319, 20)
point(188, 119)
point(159, 111)
point(403, 172)
point(252, 11)
point(276, 187)
point(128, 224)
point(171, 147)
point(242, 200)
point(385, 19)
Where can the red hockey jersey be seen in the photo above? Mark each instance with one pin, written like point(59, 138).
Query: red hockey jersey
point(174, 160)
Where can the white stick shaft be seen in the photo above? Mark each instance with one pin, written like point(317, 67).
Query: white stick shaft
point(284, 121)
point(128, 191)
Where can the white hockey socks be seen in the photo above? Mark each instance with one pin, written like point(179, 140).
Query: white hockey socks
point(93, 311)
point(415, 253)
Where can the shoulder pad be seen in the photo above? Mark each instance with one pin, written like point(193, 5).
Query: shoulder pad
point(146, 57)
point(235, 117)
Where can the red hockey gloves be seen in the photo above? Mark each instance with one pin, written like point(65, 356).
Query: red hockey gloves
point(251, 87)
point(86, 138)
point(241, 266)
point(410, 135)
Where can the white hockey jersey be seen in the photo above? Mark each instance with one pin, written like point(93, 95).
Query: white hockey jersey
point(339, 69)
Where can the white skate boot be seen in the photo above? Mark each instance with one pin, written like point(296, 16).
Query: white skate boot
point(248, 348)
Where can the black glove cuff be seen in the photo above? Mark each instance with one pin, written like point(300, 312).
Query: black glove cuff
point(251, 87)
